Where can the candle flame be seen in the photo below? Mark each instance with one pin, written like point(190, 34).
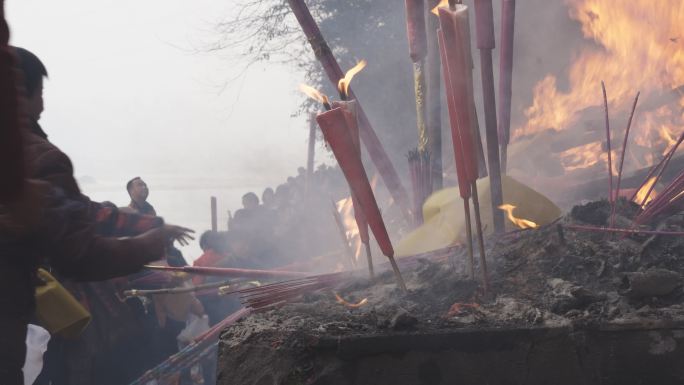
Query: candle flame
point(442, 4)
point(342, 301)
point(343, 84)
point(314, 94)
point(521, 223)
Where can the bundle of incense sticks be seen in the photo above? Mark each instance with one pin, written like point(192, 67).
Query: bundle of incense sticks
point(230, 272)
point(660, 169)
point(667, 202)
point(454, 42)
point(192, 353)
point(420, 166)
point(337, 133)
point(275, 294)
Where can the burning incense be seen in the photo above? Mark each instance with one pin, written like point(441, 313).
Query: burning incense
point(484, 23)
point(622, 160)
point(349, 109)
point(368, 135)
point(333, 123)
point(506, 77)
point(610, 155)
point(454, 68)
point(417, 39)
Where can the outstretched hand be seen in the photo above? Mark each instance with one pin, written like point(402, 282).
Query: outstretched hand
point(179, 233)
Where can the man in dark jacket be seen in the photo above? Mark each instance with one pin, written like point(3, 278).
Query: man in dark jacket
point(66, 234)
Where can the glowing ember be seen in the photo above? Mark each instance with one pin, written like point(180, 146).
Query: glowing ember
point(459, 307)
point(342, 301)
point(641, 194)
point(314, 94)
point(521, 223)
point(343, 84)
point(442, 4)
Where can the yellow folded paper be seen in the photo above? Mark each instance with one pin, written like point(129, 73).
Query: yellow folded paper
point(444, 221)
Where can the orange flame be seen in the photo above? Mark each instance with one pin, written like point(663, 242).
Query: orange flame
point(314, 94)
point(442, 4)
point(342, 301)
point(521, 223)
point(641, 194)
point(343, 84)
point(346, 209)
point(632, 45)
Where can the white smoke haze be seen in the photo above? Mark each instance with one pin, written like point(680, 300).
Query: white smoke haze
point(127, 96)
point(133, 92)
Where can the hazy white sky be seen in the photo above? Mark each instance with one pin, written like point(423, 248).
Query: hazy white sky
point(125, 97)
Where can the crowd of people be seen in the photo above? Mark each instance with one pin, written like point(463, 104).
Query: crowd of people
point(97, 249)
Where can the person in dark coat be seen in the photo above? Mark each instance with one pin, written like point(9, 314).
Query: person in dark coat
point(66, 235)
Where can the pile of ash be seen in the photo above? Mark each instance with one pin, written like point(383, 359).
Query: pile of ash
point(549, 277)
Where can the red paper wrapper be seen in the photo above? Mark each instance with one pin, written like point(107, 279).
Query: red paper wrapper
point(415, 29)
point(463, 182)
point(456, 62)
point(484, 24)
point(349, 109)
point(333, 123)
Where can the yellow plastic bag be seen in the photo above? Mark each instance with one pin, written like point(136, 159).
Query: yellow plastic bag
point(57, 310)
point(444, 221)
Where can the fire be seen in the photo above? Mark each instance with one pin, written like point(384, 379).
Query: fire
point(314, 94)
point(346, 209)
point(342, 301)
point(632, 45)
point(343, 84)
point(641, 194)
point(442, 4)
point(521, 223)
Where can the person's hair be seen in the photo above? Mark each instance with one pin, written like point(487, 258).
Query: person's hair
point(252, 196)
point(32, 69)
point(267, 190)
point(129, 184)
point(209, 240)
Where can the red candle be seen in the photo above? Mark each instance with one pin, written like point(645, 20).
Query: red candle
point(457, 64)
point(337, 133)
point(349, 109)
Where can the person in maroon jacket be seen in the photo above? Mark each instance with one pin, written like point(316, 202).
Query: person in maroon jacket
point(64, 232)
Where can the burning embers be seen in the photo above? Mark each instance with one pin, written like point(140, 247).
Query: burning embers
point(634, 45)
